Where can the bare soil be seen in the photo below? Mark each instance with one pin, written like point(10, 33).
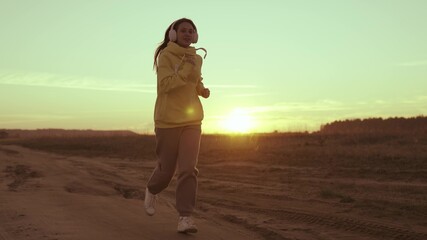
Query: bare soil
point(250, 187)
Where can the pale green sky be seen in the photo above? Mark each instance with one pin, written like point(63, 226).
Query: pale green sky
point(288, 65)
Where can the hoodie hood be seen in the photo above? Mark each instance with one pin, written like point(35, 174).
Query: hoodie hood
point(179, 51)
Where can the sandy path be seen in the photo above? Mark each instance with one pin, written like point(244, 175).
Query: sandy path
point(46, 196)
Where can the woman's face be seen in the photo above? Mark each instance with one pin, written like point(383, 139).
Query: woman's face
point(185, 34)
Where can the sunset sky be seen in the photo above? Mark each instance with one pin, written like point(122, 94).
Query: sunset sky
point(271, 65)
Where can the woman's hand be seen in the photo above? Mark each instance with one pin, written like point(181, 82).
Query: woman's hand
point(206, 93)
point(191, 60)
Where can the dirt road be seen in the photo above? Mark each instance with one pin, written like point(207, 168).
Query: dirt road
point(284, 190)
point(47, 196)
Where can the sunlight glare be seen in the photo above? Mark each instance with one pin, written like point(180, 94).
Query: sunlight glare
point(238, 121)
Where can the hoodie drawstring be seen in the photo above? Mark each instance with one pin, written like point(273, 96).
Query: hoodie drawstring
point(203, 49)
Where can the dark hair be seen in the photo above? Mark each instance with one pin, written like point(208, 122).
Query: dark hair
point(163, 44)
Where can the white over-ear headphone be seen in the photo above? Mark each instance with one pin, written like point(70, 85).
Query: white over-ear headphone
point(173, 37)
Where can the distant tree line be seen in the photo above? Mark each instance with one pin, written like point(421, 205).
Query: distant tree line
point(417, 125)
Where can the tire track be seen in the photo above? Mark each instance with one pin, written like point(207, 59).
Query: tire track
point(20, 174)
point(352, 225)
point(365, 227)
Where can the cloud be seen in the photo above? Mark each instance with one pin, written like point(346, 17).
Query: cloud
point(326, 110)
point(309, 116)
point(413, 64)
point(286, 107)
point(60, 81)
point(90, 83)
point(12, 119)
point(232, 86)
point(248, 95)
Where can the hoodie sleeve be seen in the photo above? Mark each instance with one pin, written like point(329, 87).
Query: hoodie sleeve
point(200, 87)
point(170, 77)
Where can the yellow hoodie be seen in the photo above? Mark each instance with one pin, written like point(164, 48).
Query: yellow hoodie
point(179, 85)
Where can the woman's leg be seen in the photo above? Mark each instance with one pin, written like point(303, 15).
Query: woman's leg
point(167, 147)
point(187, 172)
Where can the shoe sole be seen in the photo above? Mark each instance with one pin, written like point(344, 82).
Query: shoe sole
point(150, 214)
point(190, 230)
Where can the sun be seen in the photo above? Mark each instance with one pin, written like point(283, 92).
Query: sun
point(238, 121)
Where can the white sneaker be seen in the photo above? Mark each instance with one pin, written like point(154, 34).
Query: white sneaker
point(150, 202)
point(186, 225)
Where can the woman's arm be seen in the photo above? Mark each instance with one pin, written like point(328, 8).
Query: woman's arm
point(171, 77)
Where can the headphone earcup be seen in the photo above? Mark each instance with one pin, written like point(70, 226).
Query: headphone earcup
point(172, 35)
point(195, 37)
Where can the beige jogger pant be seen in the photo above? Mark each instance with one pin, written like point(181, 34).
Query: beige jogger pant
point(177, 149)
